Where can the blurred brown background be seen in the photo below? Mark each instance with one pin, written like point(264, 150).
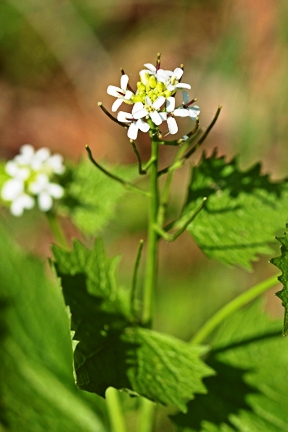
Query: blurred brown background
point(57, 58)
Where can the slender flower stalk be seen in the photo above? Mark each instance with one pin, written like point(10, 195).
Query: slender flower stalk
point(151, 259)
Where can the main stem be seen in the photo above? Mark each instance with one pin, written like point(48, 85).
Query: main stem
point(152, 238)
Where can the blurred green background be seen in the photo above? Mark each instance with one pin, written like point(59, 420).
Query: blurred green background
point(57, 58)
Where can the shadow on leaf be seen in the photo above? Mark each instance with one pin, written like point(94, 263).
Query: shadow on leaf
point(226, 395)
point(101, 357)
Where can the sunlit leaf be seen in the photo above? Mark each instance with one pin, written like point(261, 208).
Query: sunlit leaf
point(92, 197)
point(37, 387)
point(249, 391)
point(282, 263)
point(112, 350)
point(244, 210)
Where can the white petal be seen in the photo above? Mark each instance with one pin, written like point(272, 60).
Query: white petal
point(27, 150)
point(183, 85)
point(181, 112)
point(151, 67)
point(137, 106)
point(132, 131)
point(11, 168)
point(178, 72)
point(170, 104)
point(185, 97)
point(128, 95)
point(142, 125)
point(124, 117)
point(39, 184)
point(42, 154)
point(163, 115)
point(45, 201)
point(164, 75)
point(55, 190)
point(140, 113)
point(113, 90)
point(12, 189)
point(159, 102)
point(172, 125)
point(124, 81)
point(194, 112)
point(144, 76)
point(56, 163)
point(148, 101)
point(116, 104)
point(22, 202)
point(14, 170)
point(170, 87)
point(156, 118)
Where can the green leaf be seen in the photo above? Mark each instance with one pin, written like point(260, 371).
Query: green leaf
point(243, 212)
point(91, 196)
point(282, 263)
point(36, 377)
point(249, 391)
point(111, 349)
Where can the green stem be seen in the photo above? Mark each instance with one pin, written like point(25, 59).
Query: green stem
point(57, 231)
point(152, 238)
point(134, 280)
point(126, 184)
point(147, 417)
point(232, 307)
point(114, 411)
point(166, 191)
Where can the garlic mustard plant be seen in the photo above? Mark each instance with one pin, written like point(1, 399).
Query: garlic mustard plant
point(34, 176)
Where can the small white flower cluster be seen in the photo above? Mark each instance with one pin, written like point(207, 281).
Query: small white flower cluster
point(153, 101)
point(31, 175)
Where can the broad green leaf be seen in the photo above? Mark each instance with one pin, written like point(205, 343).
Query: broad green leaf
point(282, 263)
point(111, 349)
point(243, 212)
point(249, 391)
point(91, 196)
point(36, 377)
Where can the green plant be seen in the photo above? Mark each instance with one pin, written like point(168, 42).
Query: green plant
point(229, 376)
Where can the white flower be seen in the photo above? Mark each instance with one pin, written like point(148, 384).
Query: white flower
point(16, 171)
point(135, 125)
point(45, 191)
point(149, 109)
point(171, 122)
point(167, 77)
point(13, 190)
point(121, 93)
point(187, 110)
point(31, 173)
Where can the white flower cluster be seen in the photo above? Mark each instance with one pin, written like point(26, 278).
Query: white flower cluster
point(153, 101)
point(31, 175)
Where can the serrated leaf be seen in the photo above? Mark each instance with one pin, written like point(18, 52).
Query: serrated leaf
point(36, 384)
point(243, 212)
point(249, 391)
point(111, 349)
point(91, 196)
point(282, 263)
